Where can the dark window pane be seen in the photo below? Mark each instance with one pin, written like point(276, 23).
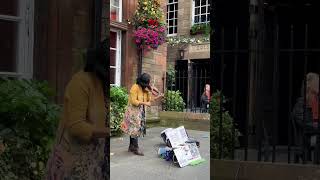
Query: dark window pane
point(203, 9)
point(175, 0)
point(203, 2)
point(196, 19)
point(112, 58)
point(197, 11)
point(176, 7)
point(112, 75)
point(8, 46)
point(170, 22)
point(197, 2)
point(171, 15)
point(175, 29)
point(167, 15)
point(170, 30)
point(203, 18)
point(208, 18)
point(171, 7)
point(176, 14)
point(113, 39)
point(208, 9)
point(175, 22)
point(9, 7)
point(170, 1)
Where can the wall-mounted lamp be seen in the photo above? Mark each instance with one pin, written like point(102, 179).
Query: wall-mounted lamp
point(181, 53)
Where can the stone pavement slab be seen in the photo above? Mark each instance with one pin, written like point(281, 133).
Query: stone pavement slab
point(126, 166)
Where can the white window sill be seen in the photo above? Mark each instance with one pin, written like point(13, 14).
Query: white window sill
point(10, 74)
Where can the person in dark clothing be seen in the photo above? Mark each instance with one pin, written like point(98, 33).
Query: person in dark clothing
point(304, 119)
point(205, 99)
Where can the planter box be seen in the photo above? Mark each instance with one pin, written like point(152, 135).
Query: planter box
point(245, 170)
point(184, 115)
point(197, 32)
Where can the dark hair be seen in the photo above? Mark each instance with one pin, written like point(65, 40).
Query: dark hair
point(97, 61)
point(143, 80)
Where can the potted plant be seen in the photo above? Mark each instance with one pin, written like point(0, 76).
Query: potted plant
point(200, 29)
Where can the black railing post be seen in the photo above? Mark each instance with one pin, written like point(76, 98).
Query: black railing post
point(305, 90)
point(234, 97)
point(290, 120)
point(275, 91)
point(221, 96)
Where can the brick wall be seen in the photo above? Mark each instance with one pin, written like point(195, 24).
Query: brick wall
point(184, 17)
point(184, 25)
point(154, 62)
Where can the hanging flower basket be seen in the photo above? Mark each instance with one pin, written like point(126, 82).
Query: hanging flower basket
point(149, 38)
point(150, 29)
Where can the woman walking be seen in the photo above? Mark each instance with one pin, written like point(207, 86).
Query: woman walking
point(79, 151)
point(134, 123)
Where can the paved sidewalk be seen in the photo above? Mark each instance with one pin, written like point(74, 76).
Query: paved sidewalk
point(126, 166)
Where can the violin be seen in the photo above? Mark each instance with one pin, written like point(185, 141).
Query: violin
point(154, 91)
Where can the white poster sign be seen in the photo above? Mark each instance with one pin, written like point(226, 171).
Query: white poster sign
point(185, 152)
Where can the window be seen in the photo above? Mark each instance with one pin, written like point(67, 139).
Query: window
point(172, 17)
point(116, 10)
point(115, 57)
point(201, 11)
point(16, 38)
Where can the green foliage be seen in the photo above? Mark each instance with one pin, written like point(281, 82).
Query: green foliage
point(146, 10)
point(118, 103)
point(27, 127)
point(173, 101)
point(171, 74)
point(227, 126)
point(183, 40)
point(200, 29)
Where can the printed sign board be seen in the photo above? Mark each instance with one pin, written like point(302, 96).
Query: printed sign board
point(185, 152)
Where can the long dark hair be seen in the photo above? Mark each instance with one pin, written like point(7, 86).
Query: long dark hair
point(97, 63)
point(144, 80)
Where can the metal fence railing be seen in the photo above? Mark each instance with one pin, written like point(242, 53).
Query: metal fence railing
point(263, 83)
point(190, 80)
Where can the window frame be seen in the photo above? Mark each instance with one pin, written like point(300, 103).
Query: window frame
point(193, 12)
point(120, 10)
point(175, 19)
point(118, 65)
point(25, 39)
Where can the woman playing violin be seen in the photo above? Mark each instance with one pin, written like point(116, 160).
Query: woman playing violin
point(134, 121)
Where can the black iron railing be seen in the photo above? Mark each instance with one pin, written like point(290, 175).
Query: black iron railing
point(263, 83)
point(190, 79)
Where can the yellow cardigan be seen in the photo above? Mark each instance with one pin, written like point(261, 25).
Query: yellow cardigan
point(137, 95)
point(84, 107)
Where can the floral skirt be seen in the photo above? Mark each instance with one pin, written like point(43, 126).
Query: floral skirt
point(87, 164)
point(134, 123)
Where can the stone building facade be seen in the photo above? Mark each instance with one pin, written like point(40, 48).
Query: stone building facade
point(194, 59)
point(124, 54)
point(123, 51)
